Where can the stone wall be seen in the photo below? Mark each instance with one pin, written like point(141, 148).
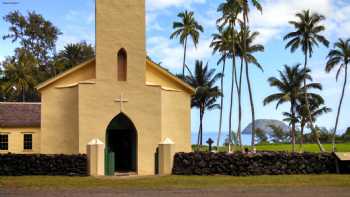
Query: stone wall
point(25, 165)
point(262, 163)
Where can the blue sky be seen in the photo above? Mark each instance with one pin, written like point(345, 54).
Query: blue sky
point(76, 21)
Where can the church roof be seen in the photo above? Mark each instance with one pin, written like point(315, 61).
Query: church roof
point(171, 76)
point(149, 62)
point(63, 74)
point(20, 115)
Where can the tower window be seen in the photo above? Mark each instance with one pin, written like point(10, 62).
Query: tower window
point(122, 65)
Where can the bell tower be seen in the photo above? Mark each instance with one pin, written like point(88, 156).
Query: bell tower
point(120, 41)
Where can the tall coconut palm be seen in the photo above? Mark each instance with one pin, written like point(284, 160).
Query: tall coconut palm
point(244, 4)
point(239, 49)
point(220, 44)
point(339, 57)
point(316, 107)
point(248, 51)
point(230, 10)
point(207, 92)
point(291, 89)
point(185, 28)
point(245, 9)
point(306, 36)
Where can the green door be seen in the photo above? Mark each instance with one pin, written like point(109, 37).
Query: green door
point(109, 163)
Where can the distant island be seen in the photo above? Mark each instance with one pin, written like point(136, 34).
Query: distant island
point(264, 125)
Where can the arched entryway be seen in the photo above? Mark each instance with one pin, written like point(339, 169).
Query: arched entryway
point(121, 146)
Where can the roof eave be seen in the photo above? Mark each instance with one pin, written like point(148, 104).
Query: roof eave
point(186, 86)
point(62, 75)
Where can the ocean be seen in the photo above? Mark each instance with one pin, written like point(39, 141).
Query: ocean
point(206, 135)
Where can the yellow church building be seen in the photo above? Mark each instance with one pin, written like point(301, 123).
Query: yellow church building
point(120, 97)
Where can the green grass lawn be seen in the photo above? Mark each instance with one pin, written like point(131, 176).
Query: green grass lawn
point(176, 182)
point(287, 147)
point(307, 147)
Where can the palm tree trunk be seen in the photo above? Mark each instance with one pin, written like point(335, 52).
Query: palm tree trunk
point(240, 105)
point(339, 108)
point(184, 59)
point(221, 105)
point(23, 95)
point(251, 104)
point(308, 110)
point(201, 127)
point(232, 87)
point(302, 137)
point(231, 103)
point(239, 87)
point(293, 125)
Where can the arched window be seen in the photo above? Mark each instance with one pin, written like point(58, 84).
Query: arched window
point(122, 65)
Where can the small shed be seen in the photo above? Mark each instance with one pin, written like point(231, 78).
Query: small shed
point(342, 162)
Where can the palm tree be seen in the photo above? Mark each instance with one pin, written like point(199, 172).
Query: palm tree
point(248, 55)
point(187, 27)
point(19, 72)
point(74, 54)
point(2, 84)
point(340, 57)
point(306, 36)
point(244, 4)
point(293, 120)
point(230, 10)
point(207, 92)
point(317, 109)
point(239, 49)
point(220, 44)
point(234, 7)
point(291, 89)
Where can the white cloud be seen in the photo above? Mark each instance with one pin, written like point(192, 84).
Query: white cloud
point(77, 16)
point(67, 39)
point(153, 5)
point(267, 34)
point(208, 19)
point(273, 22)
point(321, 75)
point(91, 18)
point(152, 23)
point(170, 53)
point(339, 22)
point(78, 27)
point(161, 8)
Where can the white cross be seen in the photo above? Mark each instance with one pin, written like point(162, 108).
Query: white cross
point(121, 100)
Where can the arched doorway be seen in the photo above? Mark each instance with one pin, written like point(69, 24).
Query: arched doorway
point(121, 146)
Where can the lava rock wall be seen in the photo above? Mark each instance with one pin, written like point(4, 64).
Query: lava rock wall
point(261, 163)
point(53, 165)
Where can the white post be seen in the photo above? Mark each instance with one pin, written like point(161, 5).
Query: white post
point(166, 156)
point(96, 160)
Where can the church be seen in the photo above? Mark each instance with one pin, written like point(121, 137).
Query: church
point(120, 97)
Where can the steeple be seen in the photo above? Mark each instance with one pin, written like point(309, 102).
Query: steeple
point(120, 29)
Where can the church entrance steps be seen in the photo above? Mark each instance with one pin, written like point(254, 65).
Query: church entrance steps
point(124, 174)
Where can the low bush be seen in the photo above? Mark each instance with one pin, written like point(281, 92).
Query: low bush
point(26, 165)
